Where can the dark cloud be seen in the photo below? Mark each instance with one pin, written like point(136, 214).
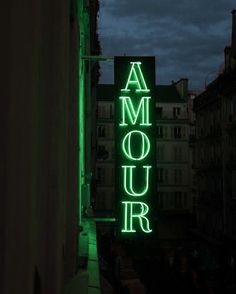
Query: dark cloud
point(187, 37)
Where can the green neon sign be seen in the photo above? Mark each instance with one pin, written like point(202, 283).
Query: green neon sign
point(134, 77)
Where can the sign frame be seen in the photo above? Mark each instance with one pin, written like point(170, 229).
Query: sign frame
point(135, 145)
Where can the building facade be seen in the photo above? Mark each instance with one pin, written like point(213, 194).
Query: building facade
point(215, 110)
point(43, 163)
point(173, 160)
point(105, 159)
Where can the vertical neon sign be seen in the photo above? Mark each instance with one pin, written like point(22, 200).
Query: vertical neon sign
point(135, 143)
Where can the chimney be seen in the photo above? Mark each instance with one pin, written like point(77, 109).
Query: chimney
point(227, 58)
point(233, 41)
point(182, 88)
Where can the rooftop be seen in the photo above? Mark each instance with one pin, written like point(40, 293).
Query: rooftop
point(163, 93)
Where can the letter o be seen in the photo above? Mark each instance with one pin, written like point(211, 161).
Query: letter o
point(145, 143)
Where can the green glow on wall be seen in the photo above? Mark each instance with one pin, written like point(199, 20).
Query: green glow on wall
point(84, 33)
point(128, 180)
point(137, 210)
point(135, 128)
point(142, 111)
point(136, 78)
point(139, 138)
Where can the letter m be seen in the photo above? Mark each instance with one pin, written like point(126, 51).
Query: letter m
point(131, 114)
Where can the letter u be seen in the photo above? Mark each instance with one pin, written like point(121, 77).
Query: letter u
point(128, 180)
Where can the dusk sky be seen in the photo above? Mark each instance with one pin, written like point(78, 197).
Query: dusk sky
point(187, 37)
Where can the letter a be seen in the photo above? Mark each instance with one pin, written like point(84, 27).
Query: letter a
point(136, 79)
point(128, 180)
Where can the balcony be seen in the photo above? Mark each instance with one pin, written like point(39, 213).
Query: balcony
point(169, 115)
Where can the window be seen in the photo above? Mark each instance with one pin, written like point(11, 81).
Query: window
point(111, 131)
point(160, 177)
point(177, 132)
point(158, 112)
point(101, 131)
point(233, 183)
point(113, 175)
point(176, 112)
point(160, 152)
point(166, 175)
point(178, 176)
point(101, 200)
point(185, 200)
point(178, 200)
point(165, 132)
point(102, 152)
point(101, 175)
point(177, 153)
point(108, 201)
point(160, 200)
point(166, 200)
point(113, 152)
point(172, 199)
point(111, 111)
point(159, 132)
point(101, 111)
